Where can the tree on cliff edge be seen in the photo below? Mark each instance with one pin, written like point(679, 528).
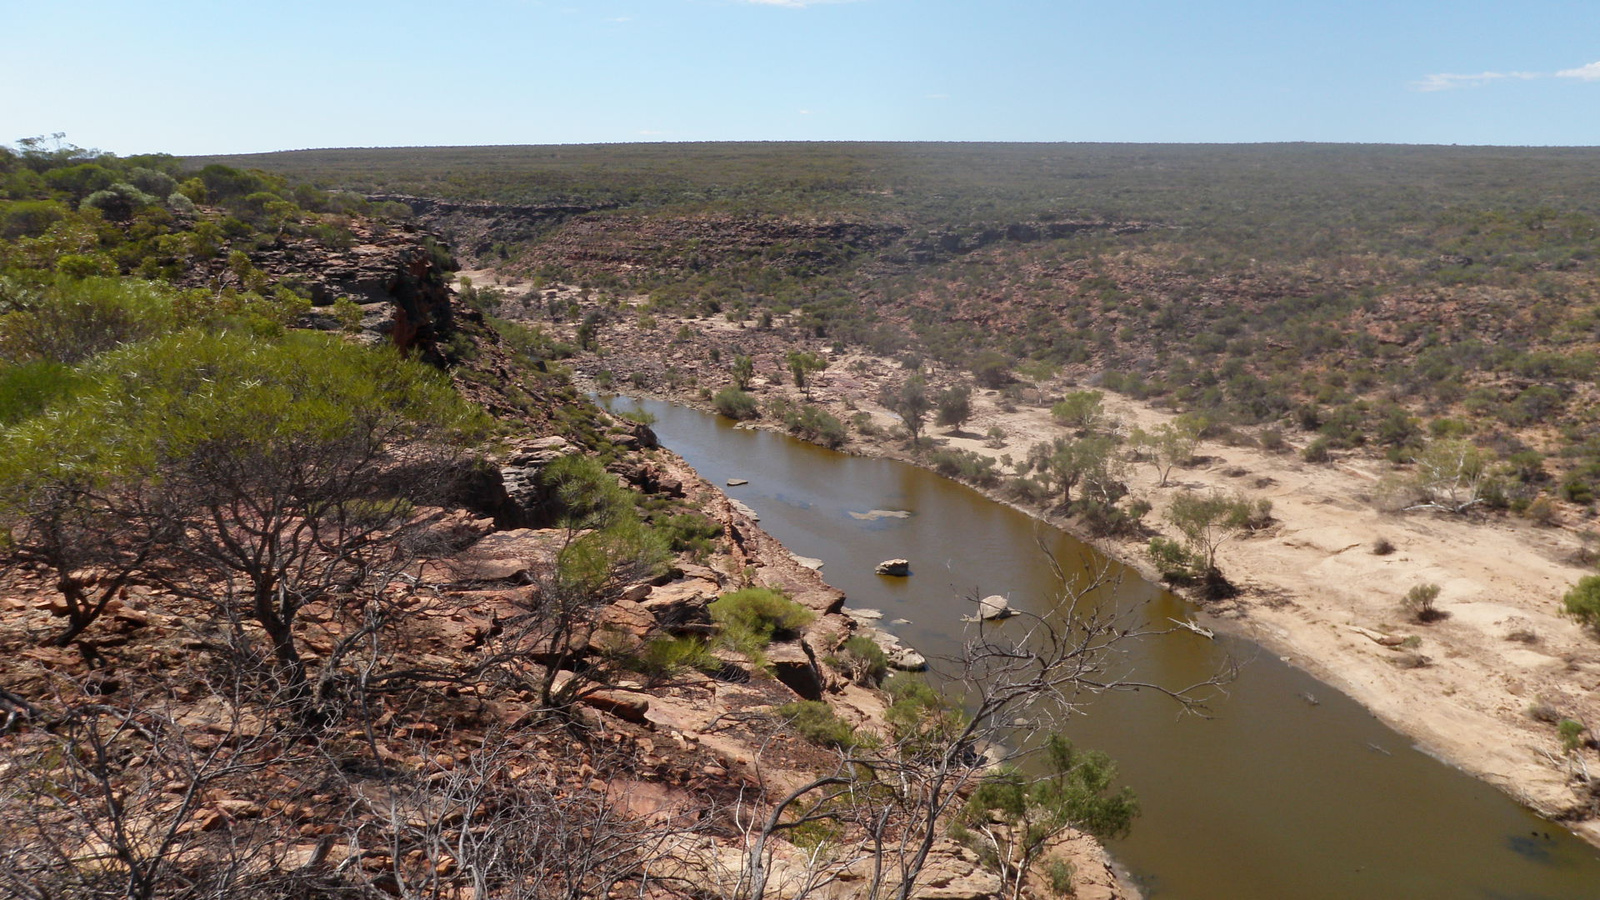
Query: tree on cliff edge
point(280, 471)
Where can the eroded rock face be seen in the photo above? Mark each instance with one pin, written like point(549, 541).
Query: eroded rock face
point(795, 665)
point(953, 872)
point(526, 502)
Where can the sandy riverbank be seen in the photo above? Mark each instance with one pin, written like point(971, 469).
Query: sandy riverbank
point(1314, 592)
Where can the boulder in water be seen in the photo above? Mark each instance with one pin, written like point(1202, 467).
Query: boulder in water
point(995, 607)
point(900, 567)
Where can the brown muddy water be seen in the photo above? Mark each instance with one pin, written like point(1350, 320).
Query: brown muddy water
point(1273, 797)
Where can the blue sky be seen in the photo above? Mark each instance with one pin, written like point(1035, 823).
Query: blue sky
point(219, 76)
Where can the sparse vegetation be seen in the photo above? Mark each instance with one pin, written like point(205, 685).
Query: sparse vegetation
point(1419, 603)
point(753, 617)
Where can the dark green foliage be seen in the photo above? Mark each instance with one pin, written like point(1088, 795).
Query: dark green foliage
point(909, 401)
point(1582, 602)
point(954, 405)
point(862, 660)
point(1075, 791)
point(1318, 451)
point(667, 656)
point(27, 388)
point(965, 465)
point(817, 425)
point(689, 532)
point(736, 404)
point(753, 617)
point(1175, 562)
point(815, 722)
point(991, 369)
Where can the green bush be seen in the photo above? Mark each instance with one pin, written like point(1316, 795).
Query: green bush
point(664, 657)
point(753, 617)
point(736, 404)
point(862, 660)
point(1084, 410)
point(1176, 563)
point(965, 465)
point(815, 424)
point(1571, 733)
point(1318, 451)
point(28, 389)
point(689, 532)
point(1419, 602)
point(815, 722)
point(918, 715)
point(1582, 602)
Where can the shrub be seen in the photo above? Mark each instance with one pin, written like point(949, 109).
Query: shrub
point(1176, 564)
point(664, 657)
point(1419, 602)
point(863, 661)
point(815, 424)
point(1577, 490)
point(1571, 733)
point(27, 389)
point(1382, 547)
point(348, 313)
point(918, 716)
point(965, 465)
point(1582, 602)
point(1062, 877)
point(814, 721)
point(753, 617)
point(689, 532)
point(1084, 410)
point(1542, 512)
point(1318, 451)
point(736, 404)
point(1103, 519)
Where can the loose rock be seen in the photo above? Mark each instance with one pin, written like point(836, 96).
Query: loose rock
point(896, 567)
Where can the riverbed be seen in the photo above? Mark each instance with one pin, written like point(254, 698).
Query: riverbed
point(1289, 789)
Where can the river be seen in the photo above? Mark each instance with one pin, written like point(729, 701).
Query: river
point(1289, 790)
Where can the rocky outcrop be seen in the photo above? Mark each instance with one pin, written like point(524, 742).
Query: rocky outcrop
point(478, 228)
point(522, 498)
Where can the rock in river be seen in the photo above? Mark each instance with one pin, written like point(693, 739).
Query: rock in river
point(894, 567)
point(994, 607)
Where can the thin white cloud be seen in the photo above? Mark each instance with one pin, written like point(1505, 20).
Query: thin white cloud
point(1449, 82)
point(1445, 81)
point(1591, 72)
